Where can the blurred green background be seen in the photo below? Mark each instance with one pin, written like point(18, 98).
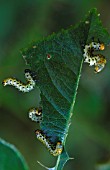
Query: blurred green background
point(88, 141)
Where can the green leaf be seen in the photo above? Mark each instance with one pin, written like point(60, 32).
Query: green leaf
point(10, 157)
point(57, 61)
point(103, 167)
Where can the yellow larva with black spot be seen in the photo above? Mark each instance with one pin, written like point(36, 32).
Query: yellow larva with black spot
point(35, 114)
point(19, 85)
point(54, 149)
point(94, 59)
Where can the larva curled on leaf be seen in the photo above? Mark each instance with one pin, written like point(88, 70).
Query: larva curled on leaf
point(55, 149)
point(19, 85)
point(35, 114)
point(94, 59)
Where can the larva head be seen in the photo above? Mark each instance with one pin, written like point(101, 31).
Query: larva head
point(39, 111)
point(102, 47)
point(99, 68)
point(100, 64)
point(38, 132)
point(59, 148)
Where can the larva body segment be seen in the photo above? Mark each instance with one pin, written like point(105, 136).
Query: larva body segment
point(94, 59)
point(54, 149)
point(19, 85)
